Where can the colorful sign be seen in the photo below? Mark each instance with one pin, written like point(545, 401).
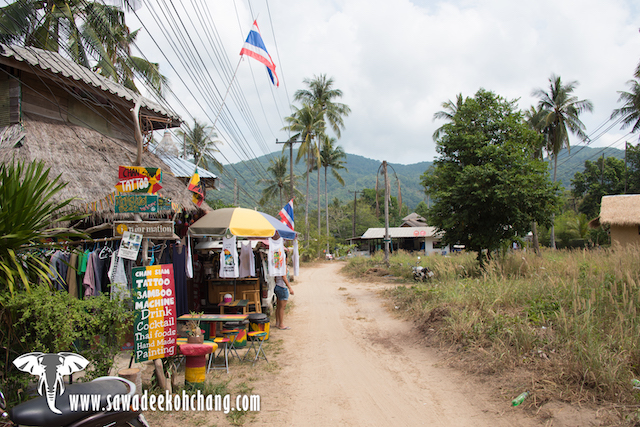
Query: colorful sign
point(164, 204)
point(136, 203)
point(148, 229)
point(155, 331)
point(138, 179)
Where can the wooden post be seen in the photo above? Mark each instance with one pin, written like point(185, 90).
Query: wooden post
point(134, 375)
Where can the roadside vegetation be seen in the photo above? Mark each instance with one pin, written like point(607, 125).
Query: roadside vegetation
point(565, 324)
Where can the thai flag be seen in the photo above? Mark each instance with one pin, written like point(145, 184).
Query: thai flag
point(254, 47)
point(287, 215)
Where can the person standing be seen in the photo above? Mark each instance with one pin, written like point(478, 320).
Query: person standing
point(282, 291)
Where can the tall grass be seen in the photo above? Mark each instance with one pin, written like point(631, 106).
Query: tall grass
point(570, 316)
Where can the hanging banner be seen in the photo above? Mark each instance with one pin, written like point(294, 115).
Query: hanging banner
point(155, 329)
point(138, 179)
point(136, 203)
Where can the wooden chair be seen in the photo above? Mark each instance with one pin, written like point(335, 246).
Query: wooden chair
point(254, 299)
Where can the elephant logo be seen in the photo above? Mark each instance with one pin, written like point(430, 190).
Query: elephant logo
point(51, 367)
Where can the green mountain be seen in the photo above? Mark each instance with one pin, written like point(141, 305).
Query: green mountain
point(361, 173)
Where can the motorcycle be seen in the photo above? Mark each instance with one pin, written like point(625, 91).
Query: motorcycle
point(36, 412)
point(420, 273)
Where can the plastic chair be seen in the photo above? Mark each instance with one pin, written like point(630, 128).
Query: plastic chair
point(254, 298)
point(256, 336)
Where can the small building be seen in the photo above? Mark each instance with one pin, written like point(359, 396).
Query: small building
point(622, 214)
point(413, 220)
point(424, 239)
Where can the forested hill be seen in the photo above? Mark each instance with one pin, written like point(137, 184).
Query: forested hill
point(362, 174)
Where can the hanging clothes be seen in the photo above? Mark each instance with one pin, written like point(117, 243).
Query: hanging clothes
point(229, 258)
point(89, 280)
point(180, 279)
point(120, 288)
point(58, 266)
point(277, 259)
point(72, 277)
point(296, 258)
point(189, 261)
point(247, 261)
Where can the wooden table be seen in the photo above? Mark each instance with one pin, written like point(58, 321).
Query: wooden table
point(237, 303)
point(214, 318)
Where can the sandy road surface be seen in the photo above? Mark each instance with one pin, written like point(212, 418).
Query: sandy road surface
point(348, 362)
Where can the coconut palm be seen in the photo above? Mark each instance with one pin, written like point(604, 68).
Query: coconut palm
point(28, 214)
point(79, 29)
point(449, 111)
point(561, 115)
point(321, 94)
point(280, 179)
point(199, 143)
point(630, 110)
point(332, 157)
point(307, 123)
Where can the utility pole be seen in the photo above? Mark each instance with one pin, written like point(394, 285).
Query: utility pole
point(387, 237)
point(625, 167)
point(290, 142)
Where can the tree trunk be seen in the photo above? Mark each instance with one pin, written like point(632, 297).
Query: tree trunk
point(326, 205)
point(553, 217)
point(319, 209)
point(306, 205)
point(536, 243)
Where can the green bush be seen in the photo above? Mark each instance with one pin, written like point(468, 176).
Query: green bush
point(50, 322)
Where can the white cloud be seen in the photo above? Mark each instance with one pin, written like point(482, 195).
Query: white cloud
point(396, 62)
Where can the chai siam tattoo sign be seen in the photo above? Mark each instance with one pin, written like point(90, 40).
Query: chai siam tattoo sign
point(155, 330)
point(138, 179)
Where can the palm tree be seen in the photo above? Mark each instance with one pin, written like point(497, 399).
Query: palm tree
point(321, 94)
point(198, 143)
point(630, 110)
point(275, 186)
point(79, 28)
point(449, 111)
point(561, 115)
point(331, 156)
point(307, 122)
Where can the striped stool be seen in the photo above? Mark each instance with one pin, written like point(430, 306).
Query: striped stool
point(194, 374)
point(256, 336)
point(223, 346)
point(232, 335)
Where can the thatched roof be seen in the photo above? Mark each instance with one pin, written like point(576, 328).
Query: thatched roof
point(88, 161)
point(620, 210)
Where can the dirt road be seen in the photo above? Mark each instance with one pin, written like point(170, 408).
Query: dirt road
point(347, 361)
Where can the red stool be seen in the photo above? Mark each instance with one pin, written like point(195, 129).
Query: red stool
point(232, 335)
point(195, 373)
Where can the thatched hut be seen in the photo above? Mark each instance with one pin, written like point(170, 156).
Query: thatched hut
point(81, 125)
point(622, 213)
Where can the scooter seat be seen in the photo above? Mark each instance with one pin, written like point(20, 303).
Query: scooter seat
point(36, 412)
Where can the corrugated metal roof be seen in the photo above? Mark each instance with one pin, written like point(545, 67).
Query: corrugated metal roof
point(401, 232)
point(57, 64)
point(183, 168)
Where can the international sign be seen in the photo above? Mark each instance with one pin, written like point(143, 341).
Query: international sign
point(136, 203)
point(155, 330)
point(148, 229)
